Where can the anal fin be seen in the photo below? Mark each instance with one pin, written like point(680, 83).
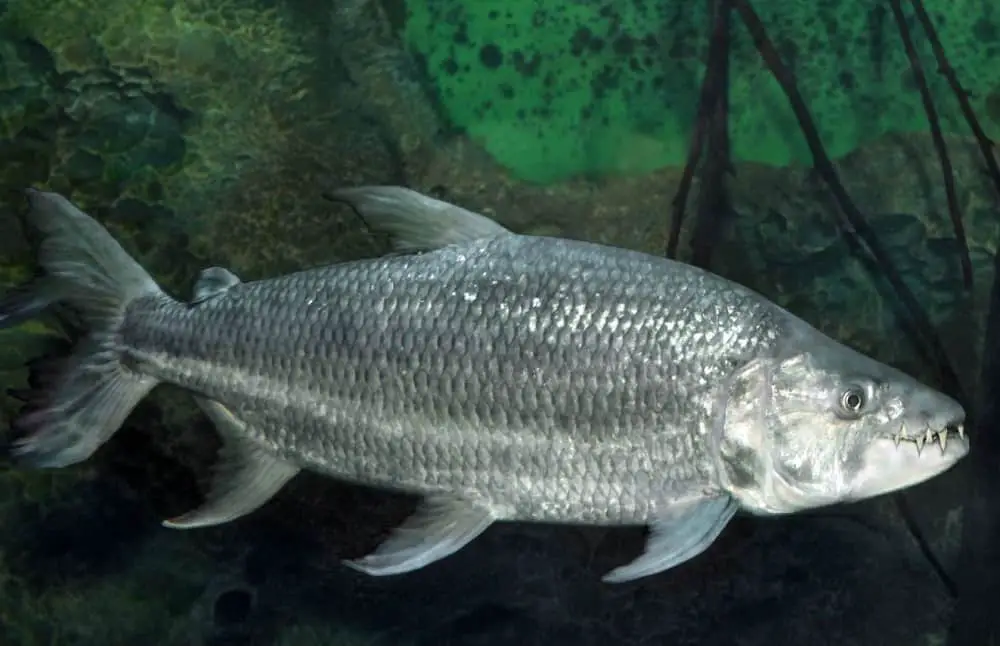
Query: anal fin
point(246, 476)
point(441, 526)
point(678, 535)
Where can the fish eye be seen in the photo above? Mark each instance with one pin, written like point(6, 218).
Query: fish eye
point(853, 400)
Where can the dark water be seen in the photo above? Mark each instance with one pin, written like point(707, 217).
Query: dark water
point(205, 133)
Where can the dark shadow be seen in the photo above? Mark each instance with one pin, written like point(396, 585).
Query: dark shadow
point(976, 621)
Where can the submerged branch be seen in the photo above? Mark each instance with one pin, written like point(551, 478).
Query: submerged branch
point(853, 222)
point(684, 187)
point(714, 205)
point(939, 144)
point(986, 145)
point(712, 85)
point(924, 545)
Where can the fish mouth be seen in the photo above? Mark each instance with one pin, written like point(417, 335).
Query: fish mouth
point(930, 436)
point(908, 457)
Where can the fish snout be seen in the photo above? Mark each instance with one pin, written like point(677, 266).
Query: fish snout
point(923, 442)
point(939, 420)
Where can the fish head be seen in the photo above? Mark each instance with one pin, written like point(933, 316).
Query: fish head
point(818, 423)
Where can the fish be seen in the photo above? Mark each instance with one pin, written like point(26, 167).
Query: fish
point(498, 376)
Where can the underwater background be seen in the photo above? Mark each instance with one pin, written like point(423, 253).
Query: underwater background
point(205, 132)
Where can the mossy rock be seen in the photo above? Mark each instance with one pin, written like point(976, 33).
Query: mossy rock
point(237, 70)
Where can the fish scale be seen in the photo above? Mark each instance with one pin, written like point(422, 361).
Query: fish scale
point(500, 377)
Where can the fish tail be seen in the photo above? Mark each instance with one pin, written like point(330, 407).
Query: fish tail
point(76, 404)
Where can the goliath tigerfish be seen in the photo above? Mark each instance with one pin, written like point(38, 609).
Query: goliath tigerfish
point(502, 377)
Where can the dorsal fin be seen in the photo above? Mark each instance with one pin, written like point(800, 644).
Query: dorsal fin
point(212, 282)
point(414, 221)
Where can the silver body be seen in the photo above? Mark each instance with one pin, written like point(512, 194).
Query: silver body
point(502, 377)
point(552, 380)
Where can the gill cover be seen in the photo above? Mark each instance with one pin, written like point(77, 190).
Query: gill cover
point(777, 451)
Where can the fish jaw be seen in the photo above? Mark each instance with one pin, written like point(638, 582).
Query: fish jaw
point(907, 459)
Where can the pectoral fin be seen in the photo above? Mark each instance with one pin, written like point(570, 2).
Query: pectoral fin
point(441, 526)
point(680, 534)
point(245, 475)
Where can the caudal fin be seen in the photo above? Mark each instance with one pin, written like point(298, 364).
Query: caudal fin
point(81, 404)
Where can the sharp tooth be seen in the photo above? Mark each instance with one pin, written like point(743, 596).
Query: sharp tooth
point(920, 443)
point(943, 439)
point(897, 437)
point(961, 431)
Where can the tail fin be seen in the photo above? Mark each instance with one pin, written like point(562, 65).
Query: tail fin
point(83, 403)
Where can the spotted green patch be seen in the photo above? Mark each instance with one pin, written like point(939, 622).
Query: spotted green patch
point(591, 87)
